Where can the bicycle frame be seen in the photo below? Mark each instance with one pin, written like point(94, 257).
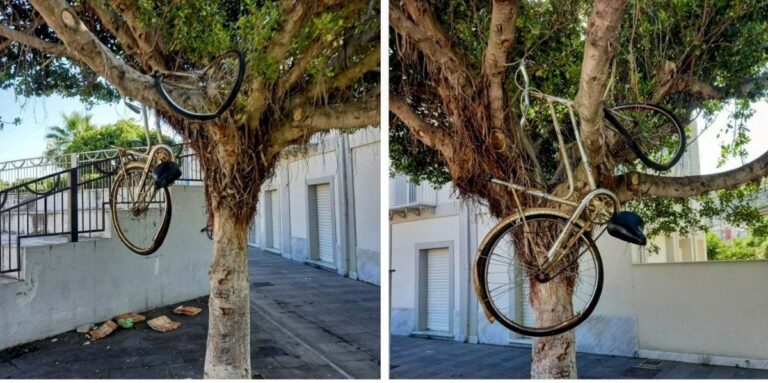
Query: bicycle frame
point(147, 156)
point(558, 250)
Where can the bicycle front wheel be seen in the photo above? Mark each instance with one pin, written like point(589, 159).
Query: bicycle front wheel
point(653, 133)
point(141, 214)
point(506, 269)
point(204, 94)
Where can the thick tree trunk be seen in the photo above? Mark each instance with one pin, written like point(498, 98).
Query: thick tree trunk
point(228, 351)
point(554, 357)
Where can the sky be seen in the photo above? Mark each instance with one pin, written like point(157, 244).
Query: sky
point(709, 143)
point(28, 139)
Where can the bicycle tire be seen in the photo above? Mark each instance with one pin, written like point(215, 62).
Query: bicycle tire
point(644, 157)
point(162, 229)
point(482, 264)
point(164, 94)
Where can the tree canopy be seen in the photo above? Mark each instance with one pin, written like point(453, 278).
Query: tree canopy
point(456, 116)
point(697, 58)
point(311, 66)
point(124, 133)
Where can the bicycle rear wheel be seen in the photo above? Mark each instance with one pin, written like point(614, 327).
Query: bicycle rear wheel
point(140, 225)
point(204, 94)
point(505, 276)
point(653, 133)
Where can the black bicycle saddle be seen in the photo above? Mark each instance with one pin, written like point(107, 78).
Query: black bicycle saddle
point(166, 173)
point(627, 226)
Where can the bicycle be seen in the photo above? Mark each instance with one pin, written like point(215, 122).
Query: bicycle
point(196, 94)
point(213, 89)
point(508, 261)
point(141, 184)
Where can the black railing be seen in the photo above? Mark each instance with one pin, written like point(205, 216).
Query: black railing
point(63, 206)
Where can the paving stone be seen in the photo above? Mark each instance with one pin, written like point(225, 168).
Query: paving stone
point(187, 372)
point(299, 297)
point(161, 360)
point(418, 358)
point(158, 372)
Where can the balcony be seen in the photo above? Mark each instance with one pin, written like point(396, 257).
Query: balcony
point(407, 197)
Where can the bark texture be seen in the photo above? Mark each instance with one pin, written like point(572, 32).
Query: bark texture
point(238, 150)
point(463, 110)
point(601, 44)
point(228, 351)
point(480, 139)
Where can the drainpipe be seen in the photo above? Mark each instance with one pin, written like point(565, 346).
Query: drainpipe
point(350, 201)
point(469, 289)
point(347, 218)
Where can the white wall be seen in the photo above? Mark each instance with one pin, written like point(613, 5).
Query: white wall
point(709, 312)
point(406, 236)
point(702, 308)
point(366, 197)
point(350, 163)
point(59, 279)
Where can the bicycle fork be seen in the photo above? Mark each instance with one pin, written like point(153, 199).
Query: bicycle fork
point(565, 240)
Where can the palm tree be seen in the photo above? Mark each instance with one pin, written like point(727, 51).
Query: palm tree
point(60, 137)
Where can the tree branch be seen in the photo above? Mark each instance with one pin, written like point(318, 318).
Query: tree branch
point(422, 15)
point(452, 68)
point(31, 41)
point(307, 121)
point(294, 15)
point(601, 44)
point(83, 45)
point(358, 44)
point(151, 59)
point(344, 79)
point(29, 29)
point(147, 41)
point(704, 91)
point(500, 42)
point(423, 131)
point(292, 18)
point(299, 69)
point(635, 185)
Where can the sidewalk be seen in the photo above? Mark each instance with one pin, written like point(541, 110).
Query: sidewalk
point(305, 323)
point(417, 358)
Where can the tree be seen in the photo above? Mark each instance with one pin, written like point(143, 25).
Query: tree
point(454, 113)
point(61, 137)
point(311, 67)
point(749, 247)
point(123, 133)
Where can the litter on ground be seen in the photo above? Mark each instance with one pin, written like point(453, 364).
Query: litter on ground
point(104, 330)
point(187, 310)
point(136, 318)
point(125, 322)
point(163, 324)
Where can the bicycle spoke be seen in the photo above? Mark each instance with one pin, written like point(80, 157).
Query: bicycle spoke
point(508, 274)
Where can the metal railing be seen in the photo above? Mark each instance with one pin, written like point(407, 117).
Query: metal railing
point(403, 193)
point(64, 206)
point(27, 169)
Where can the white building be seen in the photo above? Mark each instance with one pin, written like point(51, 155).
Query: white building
point(323, 205)
point(675, 247)
point(671, 305)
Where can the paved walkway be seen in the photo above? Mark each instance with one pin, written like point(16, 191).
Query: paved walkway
point(417, 358)
point(306, 323)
